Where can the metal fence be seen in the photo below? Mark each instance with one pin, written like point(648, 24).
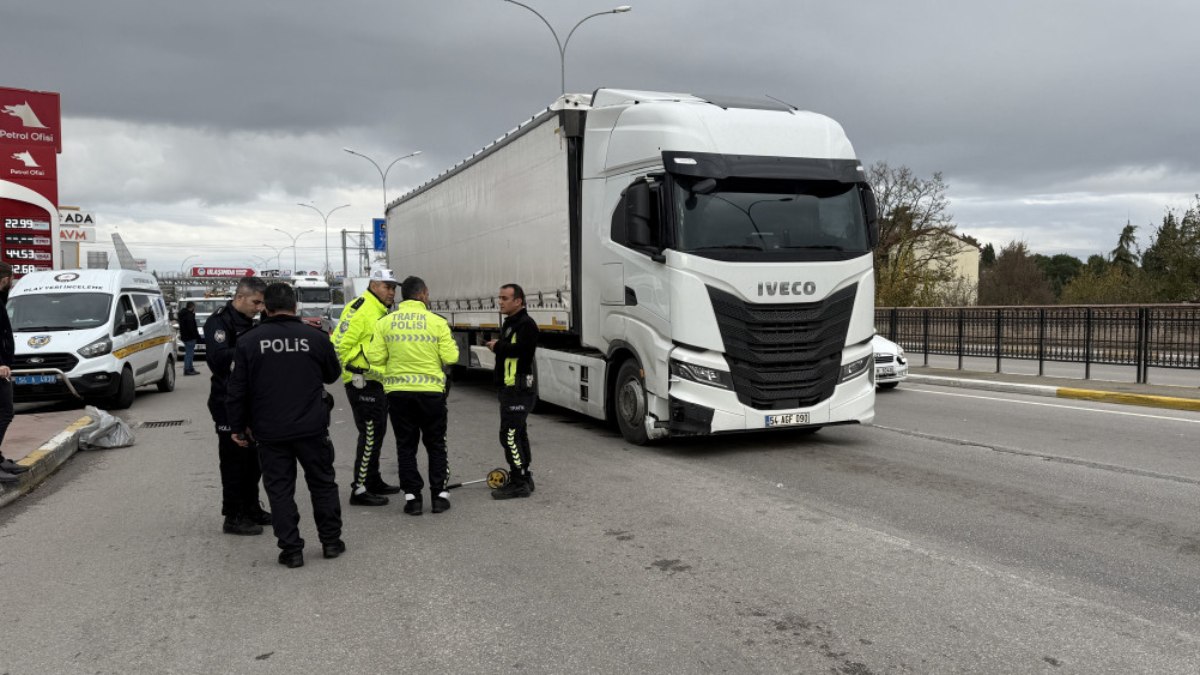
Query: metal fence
point(1143, 336)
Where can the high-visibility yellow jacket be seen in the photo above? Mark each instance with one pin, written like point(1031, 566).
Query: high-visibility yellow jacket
point(354, 332)
point(411, 347)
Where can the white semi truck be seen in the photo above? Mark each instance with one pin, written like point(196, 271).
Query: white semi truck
point(697, 265)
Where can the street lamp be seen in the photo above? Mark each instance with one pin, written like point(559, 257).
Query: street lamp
point(325, 218)
point(383, 172)
point(278, 253)
point(182, 264)
point(294, 238)
point(562, 44)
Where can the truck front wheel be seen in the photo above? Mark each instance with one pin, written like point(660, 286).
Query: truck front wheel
point(630, 402)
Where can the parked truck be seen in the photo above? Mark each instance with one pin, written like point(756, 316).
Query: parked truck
point(696, 264)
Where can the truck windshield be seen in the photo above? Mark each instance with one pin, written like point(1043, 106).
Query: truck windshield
point(312, 295)
point(58, 311)
point(788, 219)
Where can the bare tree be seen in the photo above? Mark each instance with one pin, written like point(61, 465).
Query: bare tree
point(916, 250)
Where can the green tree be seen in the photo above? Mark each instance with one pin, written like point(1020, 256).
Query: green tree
point(916, 250)
point(1059, 269)
point(1125, 255)
point(1014, 279)
point(1107, 285)
point(1172, 260)
point(987, 257)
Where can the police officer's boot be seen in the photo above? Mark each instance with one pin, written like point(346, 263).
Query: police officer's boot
point(413, 505)
point(515, 488)
point(379, 487)
point(441, 501)
point(367, 498)
point(241, 525)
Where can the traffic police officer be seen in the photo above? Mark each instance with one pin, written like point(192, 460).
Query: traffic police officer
point(363, 388)
point(239, 469)
point(412, 346)
point(514, 373)
point(277, 397)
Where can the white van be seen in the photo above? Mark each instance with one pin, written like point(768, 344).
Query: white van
point(90, 334)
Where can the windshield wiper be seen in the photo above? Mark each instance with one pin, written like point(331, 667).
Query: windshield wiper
point(32, 329)
point(828, 247)
point(715, 248)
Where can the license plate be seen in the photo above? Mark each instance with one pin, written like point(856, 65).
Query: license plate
point(788, 419)
point(35, 379)
point(886, 370)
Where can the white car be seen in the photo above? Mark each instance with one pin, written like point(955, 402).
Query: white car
point(891, 365)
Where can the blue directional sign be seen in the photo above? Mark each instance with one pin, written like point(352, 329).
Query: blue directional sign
point(380, 227)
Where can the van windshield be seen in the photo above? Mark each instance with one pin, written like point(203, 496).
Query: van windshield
point(58, 311)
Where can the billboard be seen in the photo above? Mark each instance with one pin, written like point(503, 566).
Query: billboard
point(238, 272)
point(30, 140)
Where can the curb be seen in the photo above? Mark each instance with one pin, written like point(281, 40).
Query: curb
point(45, 460)
point(1146, 400)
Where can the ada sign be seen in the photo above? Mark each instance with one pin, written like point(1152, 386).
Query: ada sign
point(76, 218)
point(380, 227)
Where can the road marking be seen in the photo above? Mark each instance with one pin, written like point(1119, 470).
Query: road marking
point(1059, 405)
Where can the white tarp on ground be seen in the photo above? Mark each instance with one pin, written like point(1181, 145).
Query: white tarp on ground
point(503, 219)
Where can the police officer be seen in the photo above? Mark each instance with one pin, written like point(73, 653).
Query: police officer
point(363, 388)
point(412, 346)
point(239, 469)
point(277, 397)
point(514, 373)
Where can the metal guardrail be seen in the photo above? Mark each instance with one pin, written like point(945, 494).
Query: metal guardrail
point(1143, 336)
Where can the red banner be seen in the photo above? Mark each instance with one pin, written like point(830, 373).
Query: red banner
point(237, 272)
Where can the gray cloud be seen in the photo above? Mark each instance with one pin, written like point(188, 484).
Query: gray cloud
point(226, 102)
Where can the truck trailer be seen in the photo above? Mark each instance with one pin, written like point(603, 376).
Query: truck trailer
point(696, 264)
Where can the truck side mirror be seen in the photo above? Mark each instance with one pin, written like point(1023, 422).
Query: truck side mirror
point(871, 210)
point(638, 216)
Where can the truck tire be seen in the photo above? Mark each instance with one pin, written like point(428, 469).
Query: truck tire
point(123, 398)
point(167, 383)
point(629, 402)
point(888, 385)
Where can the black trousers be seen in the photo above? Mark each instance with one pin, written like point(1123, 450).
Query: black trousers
point(239, 475)
point(6, 409)
point(515, 405)
point(420, 416)
point(315, 455)
point(370, 408)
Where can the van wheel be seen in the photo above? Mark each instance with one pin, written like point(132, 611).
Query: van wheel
point(629, 398)
point(125, 392)
point(167, 383)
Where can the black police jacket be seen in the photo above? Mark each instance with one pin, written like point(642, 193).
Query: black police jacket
point(277, 385)
point(517, 342)
point(221, 332)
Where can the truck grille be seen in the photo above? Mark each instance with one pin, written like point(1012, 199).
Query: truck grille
point(784, 355)
point(64, 362)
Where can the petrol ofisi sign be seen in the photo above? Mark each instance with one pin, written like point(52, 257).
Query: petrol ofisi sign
point(30, 140)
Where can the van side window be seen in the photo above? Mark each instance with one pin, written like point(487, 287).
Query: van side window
point(123, 306)
point(145, 308)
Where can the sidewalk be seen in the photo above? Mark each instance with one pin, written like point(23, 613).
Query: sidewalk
point(42, 442)
point(1128, 393)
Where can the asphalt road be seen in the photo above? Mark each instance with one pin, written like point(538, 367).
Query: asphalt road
point(968, 532)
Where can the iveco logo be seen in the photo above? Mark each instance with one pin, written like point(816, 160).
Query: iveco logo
point(786, 288)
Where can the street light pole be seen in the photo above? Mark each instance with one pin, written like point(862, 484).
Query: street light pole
point(325, 218)
point(278, 253)
point(293, 238)
point(383, 172)
point(562, 44)
point(181, 265)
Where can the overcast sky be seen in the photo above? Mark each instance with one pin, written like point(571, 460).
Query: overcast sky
point(195, 128)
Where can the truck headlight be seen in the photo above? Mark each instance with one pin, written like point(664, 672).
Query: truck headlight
point(855, 368)
point(702, 374)
point(98, 348)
